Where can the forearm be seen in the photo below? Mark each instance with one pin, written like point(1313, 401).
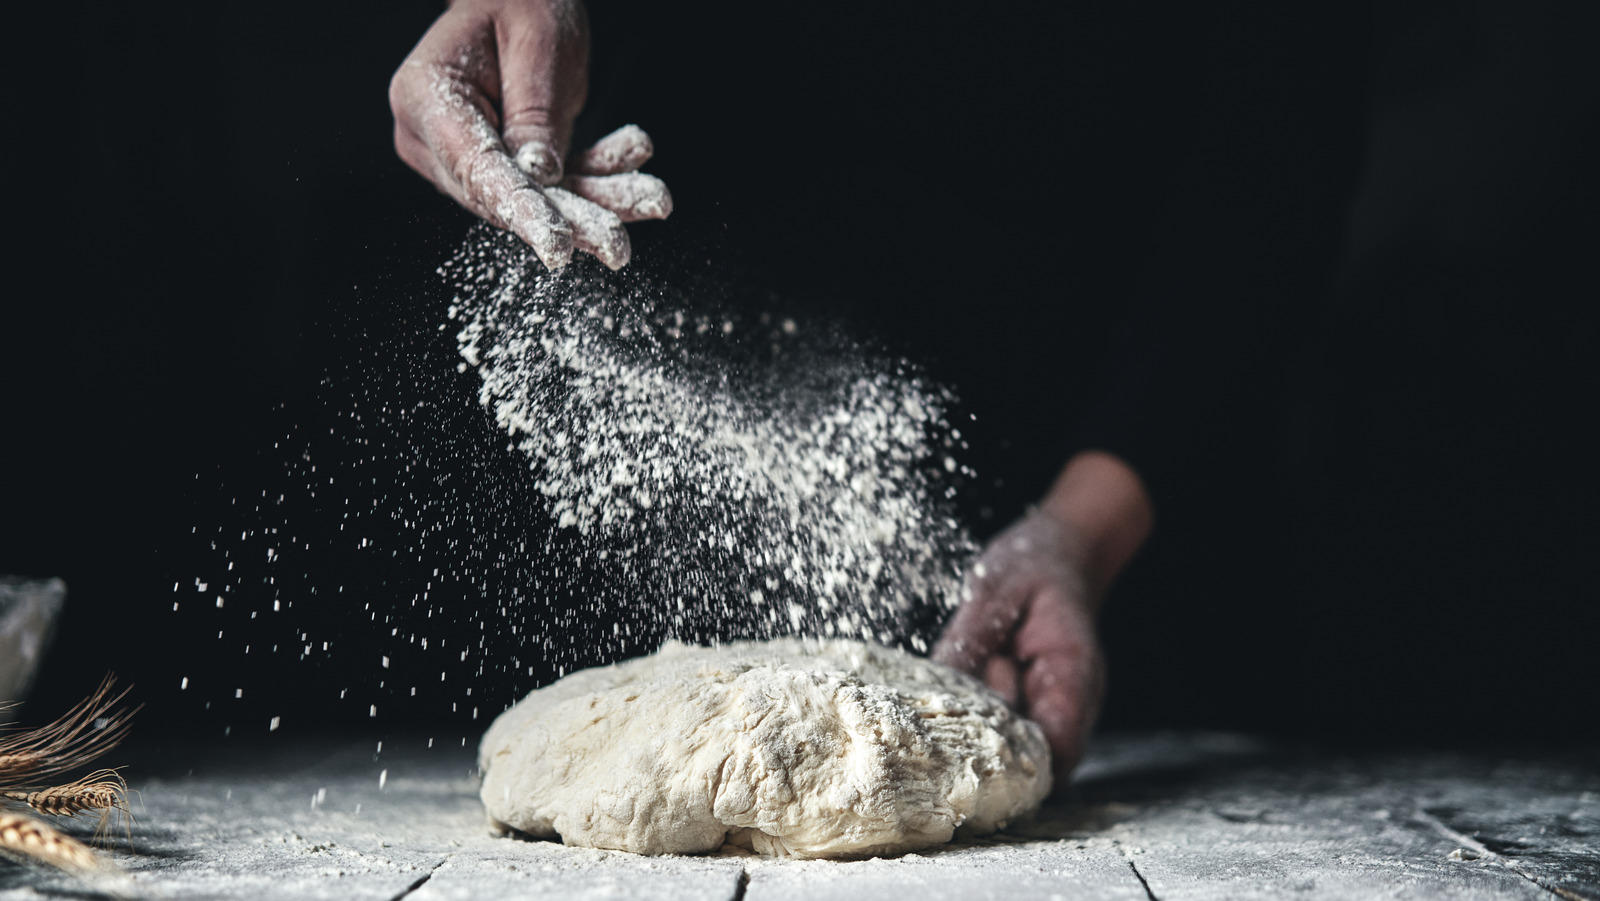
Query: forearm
point(1105, 507)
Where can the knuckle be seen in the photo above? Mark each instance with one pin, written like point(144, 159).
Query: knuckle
point(403, 91)
point(530, 118)
point(397, 94)
point(464, 170)
point(482, 176)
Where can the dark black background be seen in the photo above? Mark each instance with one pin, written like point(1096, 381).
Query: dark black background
point(1391, 538)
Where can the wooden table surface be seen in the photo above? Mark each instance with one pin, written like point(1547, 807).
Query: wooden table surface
point(1170, 817)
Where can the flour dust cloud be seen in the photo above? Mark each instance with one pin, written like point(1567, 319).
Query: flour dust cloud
point(518, 474)
point(713, 475)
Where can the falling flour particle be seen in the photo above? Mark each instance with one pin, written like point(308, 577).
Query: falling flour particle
point(789, 748)
point(796, 489)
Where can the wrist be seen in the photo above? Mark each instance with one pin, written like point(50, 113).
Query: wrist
point(1104, 514)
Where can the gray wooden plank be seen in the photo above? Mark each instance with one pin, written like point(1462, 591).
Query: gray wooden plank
point(1185, 854)
point(515, 870)
point(1001, 870)
point(329, 831)
point(1539, 821)
point(1192, 816)
point(1258, 823)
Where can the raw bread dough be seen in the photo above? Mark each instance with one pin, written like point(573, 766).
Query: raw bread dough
point(793, 748)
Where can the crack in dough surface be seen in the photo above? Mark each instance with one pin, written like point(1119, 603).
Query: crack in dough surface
point(791, 748)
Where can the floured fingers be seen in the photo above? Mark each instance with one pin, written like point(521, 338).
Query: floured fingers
point(503, 194)
point(624, 150)
point(631, 195)
point(595, 229)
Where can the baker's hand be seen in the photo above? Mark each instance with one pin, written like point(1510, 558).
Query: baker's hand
point(483, 108)
point(1027, 629)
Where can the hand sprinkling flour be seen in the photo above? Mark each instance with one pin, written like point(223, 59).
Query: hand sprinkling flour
point(484, 107)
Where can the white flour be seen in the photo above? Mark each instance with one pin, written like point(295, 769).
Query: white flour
point(737, 478)
point(706, 475)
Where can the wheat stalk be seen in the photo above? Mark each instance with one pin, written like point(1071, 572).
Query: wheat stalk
point(82, 734)
point(86, 732)
point(31, 841)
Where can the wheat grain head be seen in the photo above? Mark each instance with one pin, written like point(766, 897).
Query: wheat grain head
point(31, 841)
point(103, 791)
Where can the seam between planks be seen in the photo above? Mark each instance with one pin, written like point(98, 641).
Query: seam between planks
point(1484, 853)
point(1140, 876)
point(420, 882)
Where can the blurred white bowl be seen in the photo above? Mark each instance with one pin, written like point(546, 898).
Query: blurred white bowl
point(29, 609)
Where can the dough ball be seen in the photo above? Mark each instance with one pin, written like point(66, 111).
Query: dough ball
point(792, 748)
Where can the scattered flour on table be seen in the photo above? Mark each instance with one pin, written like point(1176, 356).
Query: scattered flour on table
point(733, 476)
point(789, 748)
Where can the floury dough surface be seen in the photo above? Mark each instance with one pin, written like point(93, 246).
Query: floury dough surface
point(791, 748)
